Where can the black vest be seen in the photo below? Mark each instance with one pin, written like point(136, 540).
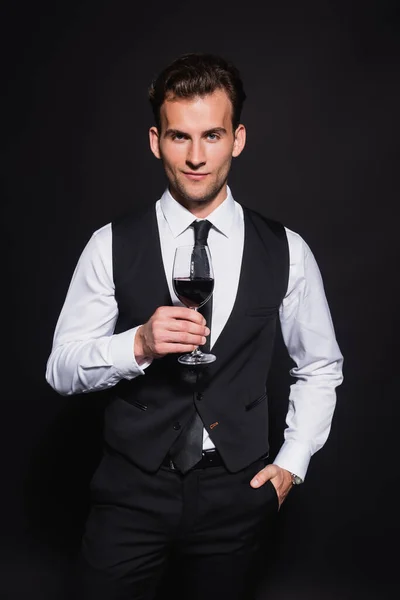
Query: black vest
point(146, 414)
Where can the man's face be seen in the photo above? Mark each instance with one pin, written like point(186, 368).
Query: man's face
point(196, 145)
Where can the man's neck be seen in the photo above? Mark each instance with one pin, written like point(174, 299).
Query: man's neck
point(202, 208)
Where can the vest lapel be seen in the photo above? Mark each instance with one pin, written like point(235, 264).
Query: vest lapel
point(139, 275)
point(255, 298)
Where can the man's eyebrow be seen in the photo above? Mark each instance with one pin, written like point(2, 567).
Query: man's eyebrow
point(174, 132)
point(215, 130)
point(220, 130)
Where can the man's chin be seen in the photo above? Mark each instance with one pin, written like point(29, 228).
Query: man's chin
point(197, 195)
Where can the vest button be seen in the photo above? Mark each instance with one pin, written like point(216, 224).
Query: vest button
point(177, 426)
point(199, 396)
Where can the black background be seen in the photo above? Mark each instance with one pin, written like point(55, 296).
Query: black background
point(322, 81)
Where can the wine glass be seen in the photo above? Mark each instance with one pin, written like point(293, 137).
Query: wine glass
point(193, 281)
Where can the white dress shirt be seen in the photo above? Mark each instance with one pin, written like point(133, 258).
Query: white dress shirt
point(87, 356)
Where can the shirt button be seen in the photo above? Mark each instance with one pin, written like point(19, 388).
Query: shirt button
point(177, 426)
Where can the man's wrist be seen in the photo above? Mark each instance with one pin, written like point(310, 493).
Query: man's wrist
point(296, 480)
point(139, 348)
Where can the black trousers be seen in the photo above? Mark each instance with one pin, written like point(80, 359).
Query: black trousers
point(211, 521)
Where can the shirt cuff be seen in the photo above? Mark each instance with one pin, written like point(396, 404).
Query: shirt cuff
point(122, 353)
point(294, 457)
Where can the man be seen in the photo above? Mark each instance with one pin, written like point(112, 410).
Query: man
point(122, 327)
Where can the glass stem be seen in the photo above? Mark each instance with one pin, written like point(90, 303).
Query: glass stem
point(196, 351)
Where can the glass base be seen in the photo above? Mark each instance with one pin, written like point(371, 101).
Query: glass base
point(196, 359)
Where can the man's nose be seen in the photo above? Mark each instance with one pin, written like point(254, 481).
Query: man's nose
point(196, 155)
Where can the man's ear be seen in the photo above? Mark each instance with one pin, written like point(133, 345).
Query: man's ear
point(154, 139)
point(240, 140)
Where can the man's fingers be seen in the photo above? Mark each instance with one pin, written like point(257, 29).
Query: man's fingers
point(262, 476)
point(173, 329)
point(163, 349)
point(187, 326)
point(180, 337)
point(180, 312)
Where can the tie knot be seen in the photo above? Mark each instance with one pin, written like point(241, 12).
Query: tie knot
point(201, 229)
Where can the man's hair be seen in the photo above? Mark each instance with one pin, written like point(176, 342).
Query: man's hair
point(197, 74)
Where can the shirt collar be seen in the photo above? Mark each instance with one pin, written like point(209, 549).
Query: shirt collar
point(179, 218)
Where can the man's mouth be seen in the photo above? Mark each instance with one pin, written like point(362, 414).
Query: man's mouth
point(195, 176)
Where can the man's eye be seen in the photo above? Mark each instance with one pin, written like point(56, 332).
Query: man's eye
point(213, 136)
point(178, 136)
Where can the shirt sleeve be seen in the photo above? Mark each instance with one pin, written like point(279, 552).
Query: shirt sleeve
point(86, 355)
point(309, 336)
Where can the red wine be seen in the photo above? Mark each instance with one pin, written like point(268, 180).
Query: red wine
point(193, 292)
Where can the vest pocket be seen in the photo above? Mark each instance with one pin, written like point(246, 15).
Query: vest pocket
point(255, 402)
point(132, 402)
point(139, 404)
point(262, 311)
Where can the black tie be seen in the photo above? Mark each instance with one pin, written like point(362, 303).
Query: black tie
point(201, 268)
point(186, 452)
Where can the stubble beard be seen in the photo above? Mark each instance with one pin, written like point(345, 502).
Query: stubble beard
point(208, 195)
